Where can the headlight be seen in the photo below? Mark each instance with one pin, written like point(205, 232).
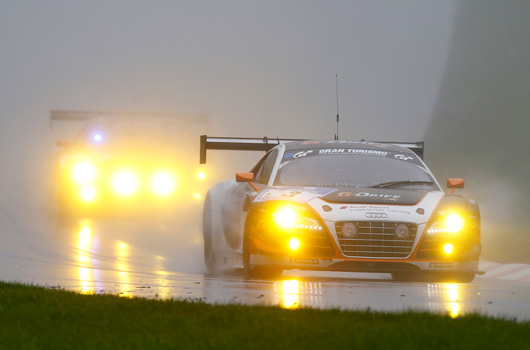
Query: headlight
point(447, 222)
point(88, 193)
point(124, 183)
point(84, 173)
point(163, 184)
point(289, 217)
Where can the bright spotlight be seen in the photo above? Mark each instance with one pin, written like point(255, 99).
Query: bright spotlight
point(163, 184)
point(125, 183)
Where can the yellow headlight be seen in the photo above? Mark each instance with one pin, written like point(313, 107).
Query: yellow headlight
point(285, 217)
point(84, 173)
point(448, 223)
point(454, 222)
point(88, 193)
point(291, 216)
point(125, 183)
point(163, 184)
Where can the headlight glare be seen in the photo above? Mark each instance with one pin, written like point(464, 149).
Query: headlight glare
point(450, 222)
point(84, 173)
point(163, 184)
point(294, 244)
point(448, 248)
point(289, 217)
point(125, 183)
point(88, 193)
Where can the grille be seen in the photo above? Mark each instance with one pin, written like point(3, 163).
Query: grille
point(376, 239)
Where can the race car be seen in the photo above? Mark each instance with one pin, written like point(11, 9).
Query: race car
point(341, 206)
point(123, 162)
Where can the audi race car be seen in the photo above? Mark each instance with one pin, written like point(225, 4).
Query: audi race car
point(126, 163)
point(341, 206)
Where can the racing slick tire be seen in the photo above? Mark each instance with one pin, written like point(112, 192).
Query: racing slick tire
point(250, 271)
point(457, 277)
point(211, 258)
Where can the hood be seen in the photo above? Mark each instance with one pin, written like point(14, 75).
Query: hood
point(346, 195)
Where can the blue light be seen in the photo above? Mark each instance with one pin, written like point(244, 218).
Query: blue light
point(97, 137)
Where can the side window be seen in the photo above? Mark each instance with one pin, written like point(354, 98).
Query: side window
point(264, 171)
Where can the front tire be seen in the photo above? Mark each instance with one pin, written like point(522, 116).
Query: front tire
point(251, 271)
point(211, 259)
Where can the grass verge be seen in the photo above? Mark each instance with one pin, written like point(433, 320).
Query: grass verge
point(37, 318)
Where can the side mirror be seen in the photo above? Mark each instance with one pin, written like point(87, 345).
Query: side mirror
point(62, 143)
point(453, 183)
point(247, 177)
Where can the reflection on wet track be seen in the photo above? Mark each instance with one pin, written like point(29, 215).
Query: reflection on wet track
point(163, 259)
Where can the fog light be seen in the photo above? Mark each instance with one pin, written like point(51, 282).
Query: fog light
point(448, 248)
point(88, 193)
point(125, 183)
point(294, 243)
point(84, 173)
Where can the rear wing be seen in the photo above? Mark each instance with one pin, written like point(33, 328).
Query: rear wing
point(265, 144)
point(85, 116)
point(239, 144)
point(416, 147)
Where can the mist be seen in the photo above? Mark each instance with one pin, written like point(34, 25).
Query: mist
point(254, 68)
point(480, 124)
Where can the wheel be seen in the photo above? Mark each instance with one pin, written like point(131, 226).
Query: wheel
point(448, 277)
point(266, 272)
point(211, 260)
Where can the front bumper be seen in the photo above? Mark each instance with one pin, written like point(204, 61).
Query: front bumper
point(362, 265)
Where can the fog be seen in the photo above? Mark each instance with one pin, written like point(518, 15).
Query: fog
point(482, 118)
point(254, 68)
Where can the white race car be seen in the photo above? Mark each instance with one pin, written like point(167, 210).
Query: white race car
point(341, 206)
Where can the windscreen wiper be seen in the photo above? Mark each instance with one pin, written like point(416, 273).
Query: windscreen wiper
point(400, 183)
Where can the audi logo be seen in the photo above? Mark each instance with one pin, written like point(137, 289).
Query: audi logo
point(376, 215)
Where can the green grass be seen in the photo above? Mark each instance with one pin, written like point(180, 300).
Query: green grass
point(40, 318)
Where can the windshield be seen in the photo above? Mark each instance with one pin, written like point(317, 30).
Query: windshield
point(353, 171)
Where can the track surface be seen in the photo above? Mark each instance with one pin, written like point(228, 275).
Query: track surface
point(162, 258)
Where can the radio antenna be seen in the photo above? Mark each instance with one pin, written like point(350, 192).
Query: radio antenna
point(337, 91)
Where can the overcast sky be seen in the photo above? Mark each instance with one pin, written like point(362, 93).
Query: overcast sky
point(255, 68)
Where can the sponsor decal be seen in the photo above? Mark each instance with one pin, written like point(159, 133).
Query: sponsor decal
point(369, 152)
point(304, 261)
point(391, 197)
point(447, 265)
point(403, 157)
point(297, 194)
point(302, 154)
point(371, 210)
point(283, 164)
